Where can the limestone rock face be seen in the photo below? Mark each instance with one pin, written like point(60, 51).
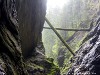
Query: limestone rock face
point(21, 38)
point(87, 59)
point(10, 48)
point(31, 17)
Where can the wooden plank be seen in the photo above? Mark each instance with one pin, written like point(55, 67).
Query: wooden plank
point(68, 47)
point(68, 29)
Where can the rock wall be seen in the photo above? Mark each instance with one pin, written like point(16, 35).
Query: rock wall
point(11, 62)
point(23, 31)
point(31, 14)
point(87, 59)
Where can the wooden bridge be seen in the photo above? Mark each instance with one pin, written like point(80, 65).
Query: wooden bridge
point(63, 41)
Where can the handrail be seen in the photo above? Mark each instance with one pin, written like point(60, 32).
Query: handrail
point(86, 29)
point(68, 29)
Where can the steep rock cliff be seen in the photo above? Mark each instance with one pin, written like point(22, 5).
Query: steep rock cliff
point(31, 16)
point(10, 48)
point(21, 38)
point(87, 59)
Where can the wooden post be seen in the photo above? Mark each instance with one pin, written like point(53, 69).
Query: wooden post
point(68, 47)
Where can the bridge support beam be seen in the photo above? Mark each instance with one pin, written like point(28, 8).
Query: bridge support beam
point(68, 47)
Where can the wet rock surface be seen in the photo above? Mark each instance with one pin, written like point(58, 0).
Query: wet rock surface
point(10, 49)
point(31, 18)
point(13, 49)
point(87, 59)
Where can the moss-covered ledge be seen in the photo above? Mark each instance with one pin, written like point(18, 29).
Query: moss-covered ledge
point(42, 67)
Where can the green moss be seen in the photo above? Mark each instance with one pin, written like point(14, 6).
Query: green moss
point(52, 68)
point(34, 66)
point(43, 67)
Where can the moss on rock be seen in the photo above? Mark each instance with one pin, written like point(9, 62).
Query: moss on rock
point(42, 67)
